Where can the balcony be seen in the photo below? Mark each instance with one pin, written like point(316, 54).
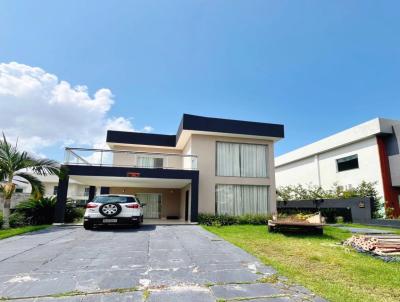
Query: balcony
point(130, 159)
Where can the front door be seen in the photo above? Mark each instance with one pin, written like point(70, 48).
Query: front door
point(152, 209)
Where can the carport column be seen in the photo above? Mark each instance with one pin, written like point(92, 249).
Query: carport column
point(62, 192)
point(92, 193)
point(194, 205)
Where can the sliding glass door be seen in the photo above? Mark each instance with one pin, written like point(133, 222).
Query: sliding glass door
point(152, 209)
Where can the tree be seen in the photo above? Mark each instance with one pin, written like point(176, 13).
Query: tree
point(15, 164)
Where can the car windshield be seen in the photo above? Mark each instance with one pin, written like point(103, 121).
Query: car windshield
point(112, 198)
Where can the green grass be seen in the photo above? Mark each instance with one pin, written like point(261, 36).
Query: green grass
point(21, 230)
point(330, 270)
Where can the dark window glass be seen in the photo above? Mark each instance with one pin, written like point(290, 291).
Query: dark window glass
point(347, 163)
point(158, 162)
point(112, 198)
point(86, 193)
point(19, 190)
point(55, 190)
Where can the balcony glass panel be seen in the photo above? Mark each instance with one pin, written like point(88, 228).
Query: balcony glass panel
point(122, 158)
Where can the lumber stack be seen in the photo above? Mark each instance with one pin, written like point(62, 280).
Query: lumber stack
point(383, 245)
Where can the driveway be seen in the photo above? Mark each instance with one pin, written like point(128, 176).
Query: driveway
point(154, 263)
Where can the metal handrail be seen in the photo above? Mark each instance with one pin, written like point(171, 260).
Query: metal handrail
point(81, 160)
point(79, 157)
point(128, 151)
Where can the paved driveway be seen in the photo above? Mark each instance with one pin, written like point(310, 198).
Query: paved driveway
point(155, 263)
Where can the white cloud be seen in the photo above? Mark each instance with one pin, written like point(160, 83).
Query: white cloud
point(147, 129)
point(43, 111)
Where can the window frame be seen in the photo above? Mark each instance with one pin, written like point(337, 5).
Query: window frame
point(153, 157)
point(349, 158)
point(268, 188)
point(240, 157)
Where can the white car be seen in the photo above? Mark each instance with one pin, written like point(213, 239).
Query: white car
point(112, 209)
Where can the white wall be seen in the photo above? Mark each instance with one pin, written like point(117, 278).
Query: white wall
point(75, 190)
point(306, 171)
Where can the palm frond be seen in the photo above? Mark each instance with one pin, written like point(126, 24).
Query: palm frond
point(11, 159)
point(42, 166)
point(37, 185)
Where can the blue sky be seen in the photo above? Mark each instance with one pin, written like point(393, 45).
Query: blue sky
point(315, 66)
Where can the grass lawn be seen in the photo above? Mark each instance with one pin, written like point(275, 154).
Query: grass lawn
point(330, 270)
point(21, 230)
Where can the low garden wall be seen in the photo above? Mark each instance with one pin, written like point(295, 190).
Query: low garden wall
point(16, 199)
point(359, 208)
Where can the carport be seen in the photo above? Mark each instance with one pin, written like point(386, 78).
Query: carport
point(169, 193)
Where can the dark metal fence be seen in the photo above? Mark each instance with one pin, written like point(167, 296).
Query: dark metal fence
point(359, 208)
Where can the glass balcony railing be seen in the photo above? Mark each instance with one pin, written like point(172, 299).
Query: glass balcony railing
point(124, 158)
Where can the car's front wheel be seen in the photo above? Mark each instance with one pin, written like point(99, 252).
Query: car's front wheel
point(87, 225)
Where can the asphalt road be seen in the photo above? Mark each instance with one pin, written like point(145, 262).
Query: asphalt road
point(153, 263)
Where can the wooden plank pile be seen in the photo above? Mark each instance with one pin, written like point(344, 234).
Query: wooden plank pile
point(383, 245)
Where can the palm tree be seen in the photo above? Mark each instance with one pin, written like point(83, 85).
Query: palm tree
point(15, 164)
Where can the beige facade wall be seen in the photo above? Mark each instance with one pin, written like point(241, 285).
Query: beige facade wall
point(170, 201)
point(205, 147)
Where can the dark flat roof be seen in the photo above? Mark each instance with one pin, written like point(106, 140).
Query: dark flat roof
point(197, 123)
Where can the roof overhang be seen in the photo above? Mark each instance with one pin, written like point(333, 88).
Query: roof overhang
point(192, 124)
point(369, 129)
point(129, 182)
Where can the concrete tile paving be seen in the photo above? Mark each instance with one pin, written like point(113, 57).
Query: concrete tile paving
point(154, 263)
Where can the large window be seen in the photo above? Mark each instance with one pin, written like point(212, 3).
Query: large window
point(347, 163)
point(242, 160)
point(241, 199)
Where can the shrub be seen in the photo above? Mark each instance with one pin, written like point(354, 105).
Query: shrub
point(222, 220)
point(39, 211)
point(17, 219)
point(73, 213)
point(1, 219)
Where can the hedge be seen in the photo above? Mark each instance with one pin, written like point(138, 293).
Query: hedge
point(222, 220)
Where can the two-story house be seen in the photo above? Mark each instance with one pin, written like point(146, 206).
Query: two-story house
point(211, 165)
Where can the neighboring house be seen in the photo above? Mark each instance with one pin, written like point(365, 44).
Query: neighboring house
point(369, 151)
point(211, 165)
point(76, 191)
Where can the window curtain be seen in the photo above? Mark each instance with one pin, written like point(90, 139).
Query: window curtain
point(228, 159)
point(242, 160)
point(152, 207)
point(253, 160)
point(241, 199)
point(149, 162)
